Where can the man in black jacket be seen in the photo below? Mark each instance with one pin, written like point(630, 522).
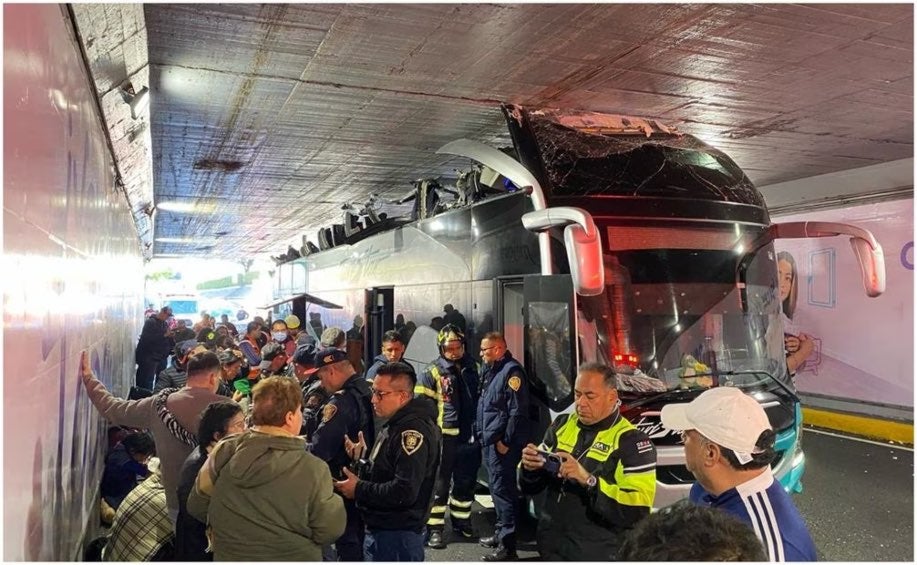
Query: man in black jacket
point(395, 486)
point(153, 348)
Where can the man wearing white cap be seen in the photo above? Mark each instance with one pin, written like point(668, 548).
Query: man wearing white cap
point(729, 446)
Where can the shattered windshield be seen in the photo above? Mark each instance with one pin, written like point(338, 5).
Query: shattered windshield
point(674, 311)
point(584, 158)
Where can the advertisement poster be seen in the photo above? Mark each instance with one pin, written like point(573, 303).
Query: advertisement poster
point(853, 347)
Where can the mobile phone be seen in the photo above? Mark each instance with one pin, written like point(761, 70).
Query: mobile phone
point(551, 462)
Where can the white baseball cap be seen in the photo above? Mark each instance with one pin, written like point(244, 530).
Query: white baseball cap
point(724, 415)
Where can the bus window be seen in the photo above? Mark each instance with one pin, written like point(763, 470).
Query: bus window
point(549, 347)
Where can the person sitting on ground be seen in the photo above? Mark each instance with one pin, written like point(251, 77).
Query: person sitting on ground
point(685, 532)
point(142, 530)
point(219, 420)
point(124, 465)
point(168, 414)
point(264, 496)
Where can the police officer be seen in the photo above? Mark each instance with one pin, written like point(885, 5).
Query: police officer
point(348, 413)
point(504, 426)
point(393, 489)
point(314, 396)
point(599, 472)
point(451, 381)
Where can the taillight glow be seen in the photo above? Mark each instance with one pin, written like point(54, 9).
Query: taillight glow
point(626, 359)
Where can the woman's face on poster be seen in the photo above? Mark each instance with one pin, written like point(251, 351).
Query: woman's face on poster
point(785, 276)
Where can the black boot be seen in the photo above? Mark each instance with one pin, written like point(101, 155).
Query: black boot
point(506, 551)
point(502, 553)
point(491, 541)
point(436, 540)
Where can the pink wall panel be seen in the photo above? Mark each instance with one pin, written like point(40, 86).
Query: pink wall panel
point(864, 345)
point(72, 280)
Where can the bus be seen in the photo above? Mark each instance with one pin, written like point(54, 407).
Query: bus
point(594, 237)
point(184, 306)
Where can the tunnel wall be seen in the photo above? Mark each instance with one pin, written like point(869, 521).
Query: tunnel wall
point(863, 362)
point(72, 279)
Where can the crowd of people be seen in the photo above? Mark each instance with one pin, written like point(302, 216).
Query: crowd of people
point(270, 445)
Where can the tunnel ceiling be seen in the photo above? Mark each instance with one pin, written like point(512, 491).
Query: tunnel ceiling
point(269, 117)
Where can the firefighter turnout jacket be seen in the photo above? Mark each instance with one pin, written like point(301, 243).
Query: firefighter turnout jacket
point(453, 386)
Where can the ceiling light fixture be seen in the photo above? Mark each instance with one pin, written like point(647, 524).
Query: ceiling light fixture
point(138, 101)
point(204, 206)
point(198, 240)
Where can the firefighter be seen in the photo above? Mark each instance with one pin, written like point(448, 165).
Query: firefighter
point(451, 381)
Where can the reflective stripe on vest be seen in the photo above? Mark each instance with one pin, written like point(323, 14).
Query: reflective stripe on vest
point(641, 486)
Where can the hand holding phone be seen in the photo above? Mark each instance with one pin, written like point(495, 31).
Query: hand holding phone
point(551, 462)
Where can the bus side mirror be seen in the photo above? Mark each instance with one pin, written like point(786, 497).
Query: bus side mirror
point(583, 243)
point(868, 252)
point(872, 265)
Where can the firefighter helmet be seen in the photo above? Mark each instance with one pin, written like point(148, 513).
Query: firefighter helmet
point(450, 332)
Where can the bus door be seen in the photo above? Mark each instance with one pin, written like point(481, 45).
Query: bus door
point(508, 301)
point(549, 308)
point(379, 317)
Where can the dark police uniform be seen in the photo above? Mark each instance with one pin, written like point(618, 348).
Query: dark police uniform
point(453, 387)
point(578, 523)
point(348, 411)
point(394, 494)
point(314, 398)
point(503, 415)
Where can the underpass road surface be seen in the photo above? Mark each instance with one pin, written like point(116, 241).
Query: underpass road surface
point(857, 499)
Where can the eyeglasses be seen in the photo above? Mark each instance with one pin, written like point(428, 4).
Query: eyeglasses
point(684, 436)
point(483, 349)
point(380, 394)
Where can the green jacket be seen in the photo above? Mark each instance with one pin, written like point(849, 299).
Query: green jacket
point(267, 499)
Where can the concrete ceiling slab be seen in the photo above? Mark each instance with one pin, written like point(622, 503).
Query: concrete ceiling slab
point(271, 117)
